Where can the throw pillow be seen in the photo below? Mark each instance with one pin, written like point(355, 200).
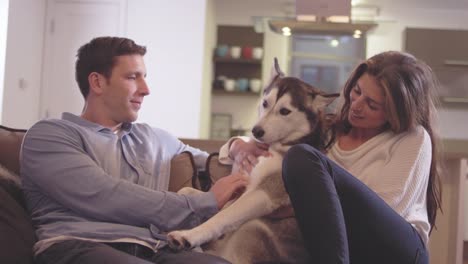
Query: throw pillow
point(17, 233)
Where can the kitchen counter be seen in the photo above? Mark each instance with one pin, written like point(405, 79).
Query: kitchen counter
point(446, 242)
point(455, 148)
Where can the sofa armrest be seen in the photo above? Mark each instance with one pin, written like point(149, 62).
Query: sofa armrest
point(183, 172)
point(215, 169)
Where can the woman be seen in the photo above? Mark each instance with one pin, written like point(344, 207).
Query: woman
point(374, 197)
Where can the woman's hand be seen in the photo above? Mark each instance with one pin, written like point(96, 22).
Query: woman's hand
point(245, 153)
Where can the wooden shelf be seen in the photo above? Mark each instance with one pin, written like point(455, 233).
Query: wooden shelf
point(238, 61)
point(223, 92)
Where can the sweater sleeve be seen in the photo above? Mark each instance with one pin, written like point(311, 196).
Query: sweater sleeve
point(403, 180)
point(57, 173)
point(224, 151)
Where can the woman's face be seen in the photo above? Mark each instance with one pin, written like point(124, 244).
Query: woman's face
point(367, 109)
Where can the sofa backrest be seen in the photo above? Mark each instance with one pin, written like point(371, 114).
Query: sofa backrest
point(10, 145)
point(208, 145)
point(183, 170)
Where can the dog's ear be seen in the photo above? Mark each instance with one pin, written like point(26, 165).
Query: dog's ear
point(277, 68)
point(275, 74)
point(320, 101)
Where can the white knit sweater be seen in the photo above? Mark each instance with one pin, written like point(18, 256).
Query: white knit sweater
point(396, 167)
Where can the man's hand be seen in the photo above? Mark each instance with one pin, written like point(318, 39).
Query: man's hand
point(226, 188)
point(245, 153)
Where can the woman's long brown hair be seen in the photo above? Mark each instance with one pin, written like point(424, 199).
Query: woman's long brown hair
point(410, 90)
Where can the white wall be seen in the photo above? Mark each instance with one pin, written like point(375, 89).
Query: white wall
point(23, 63)
point(3, 38)
point(179, 55)
point(174, 33)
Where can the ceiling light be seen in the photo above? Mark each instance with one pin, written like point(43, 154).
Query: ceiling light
point(338, 19)
point(301, 27)
point(334, 43)
point(310, 18)
point(356, 2)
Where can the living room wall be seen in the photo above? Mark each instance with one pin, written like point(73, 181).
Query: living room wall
point(174, 33)
point(388, 35)
point(3, 35)
point(189, 117)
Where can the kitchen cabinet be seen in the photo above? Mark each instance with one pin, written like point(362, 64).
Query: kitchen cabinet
point(446, 243)
point(445, 52)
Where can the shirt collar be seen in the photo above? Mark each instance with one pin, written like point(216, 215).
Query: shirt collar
point(126, 127)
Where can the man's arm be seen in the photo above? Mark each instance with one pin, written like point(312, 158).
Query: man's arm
point(55, 165)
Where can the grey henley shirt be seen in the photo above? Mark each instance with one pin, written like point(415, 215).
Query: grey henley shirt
point(81, 180)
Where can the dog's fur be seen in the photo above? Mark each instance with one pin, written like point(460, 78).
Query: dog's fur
point(291, 113)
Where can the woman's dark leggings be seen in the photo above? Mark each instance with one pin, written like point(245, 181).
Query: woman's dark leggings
point(341, 219)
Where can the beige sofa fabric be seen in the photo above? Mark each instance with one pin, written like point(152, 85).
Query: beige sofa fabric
point(10, 144)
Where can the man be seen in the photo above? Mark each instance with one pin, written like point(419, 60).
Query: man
point(95, 184)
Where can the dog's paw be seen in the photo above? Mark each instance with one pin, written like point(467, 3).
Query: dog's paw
point(178, 240)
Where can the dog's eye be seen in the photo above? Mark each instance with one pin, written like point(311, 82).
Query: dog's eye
point(265, 104)
point(284, 111)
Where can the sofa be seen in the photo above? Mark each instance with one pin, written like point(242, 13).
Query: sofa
point(16, 231)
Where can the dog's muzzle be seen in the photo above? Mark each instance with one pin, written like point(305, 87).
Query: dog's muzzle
point(258, 132)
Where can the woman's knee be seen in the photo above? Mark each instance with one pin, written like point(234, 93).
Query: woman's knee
point(298, 160)
point(301, 153)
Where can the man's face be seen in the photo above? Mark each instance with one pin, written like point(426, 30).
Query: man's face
point(123, 92)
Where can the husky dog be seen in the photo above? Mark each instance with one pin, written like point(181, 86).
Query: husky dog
point(291, 113)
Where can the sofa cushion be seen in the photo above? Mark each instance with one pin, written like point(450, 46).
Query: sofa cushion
point(17, 234)
point(10, 140)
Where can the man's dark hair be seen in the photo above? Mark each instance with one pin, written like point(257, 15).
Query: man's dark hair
point(99, 55)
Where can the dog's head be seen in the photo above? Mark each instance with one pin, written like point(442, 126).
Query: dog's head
point(291, 112)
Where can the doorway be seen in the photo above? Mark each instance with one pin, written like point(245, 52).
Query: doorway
point(70, 24)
